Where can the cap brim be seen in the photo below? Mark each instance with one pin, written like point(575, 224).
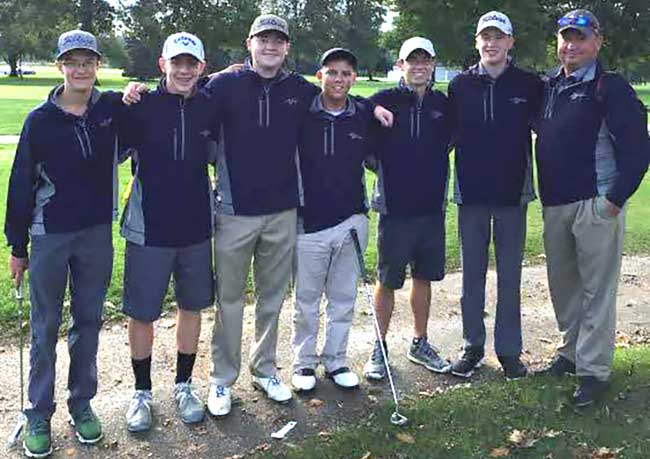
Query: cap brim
point(588, 31)
point(487, 26)
point(94, 51)
point(184, 52)
point(418, 49)
point(270, 29)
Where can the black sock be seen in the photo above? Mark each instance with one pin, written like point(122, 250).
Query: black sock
point(184, 367)
point(142, 372)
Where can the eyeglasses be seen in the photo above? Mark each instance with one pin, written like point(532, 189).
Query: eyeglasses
point(79, 65)
point(579, 20)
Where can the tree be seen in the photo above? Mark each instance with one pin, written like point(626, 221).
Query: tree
point(222, 25)
point(361, 34)
point(451, 26)
point(28, 27)
point(94, 16)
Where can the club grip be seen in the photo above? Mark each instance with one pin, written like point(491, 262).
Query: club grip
point(357, 248)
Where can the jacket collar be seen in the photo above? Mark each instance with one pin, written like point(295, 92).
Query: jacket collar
point(54, 93)
point(319, 109)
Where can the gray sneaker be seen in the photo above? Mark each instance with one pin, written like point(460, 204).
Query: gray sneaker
point(375, 367)
point(190, 406)
point(426, 355)
point(138, 416)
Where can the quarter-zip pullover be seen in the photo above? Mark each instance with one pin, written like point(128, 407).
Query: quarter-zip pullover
point(492, 121)
point(588, 147)
point(64, 175)
point(412, 156)
point(332, 151)
point(170, 202)
point(260, 125)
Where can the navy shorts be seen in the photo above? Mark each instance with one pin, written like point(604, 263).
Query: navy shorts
point(415, 241)
point(147, 271)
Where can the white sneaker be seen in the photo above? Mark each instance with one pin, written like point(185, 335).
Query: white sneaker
point(344, 377)
point(304, 379)
point(138, 415)
point(275, 389)
point(219, 402)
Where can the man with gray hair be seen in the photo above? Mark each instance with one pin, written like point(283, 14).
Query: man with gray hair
point(592, 153)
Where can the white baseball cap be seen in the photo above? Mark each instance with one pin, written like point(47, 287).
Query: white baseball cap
point(183, 43)
point(414, 43)
point(494, 19)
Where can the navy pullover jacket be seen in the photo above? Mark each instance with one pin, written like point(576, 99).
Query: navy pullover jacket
point(413, 159)
point(332, 151)
point(64, 174)
point(492, 119)
point(590, 145)
point(261, 120)
point(170, 201)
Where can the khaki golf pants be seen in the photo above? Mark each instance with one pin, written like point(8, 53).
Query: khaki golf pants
point(583, 253)
point(327, 262)
point(268, 241)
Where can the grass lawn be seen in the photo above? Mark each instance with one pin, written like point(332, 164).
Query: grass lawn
point(531, 418)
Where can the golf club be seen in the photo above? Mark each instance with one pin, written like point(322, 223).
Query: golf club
point(396, 418)
point(15, 434)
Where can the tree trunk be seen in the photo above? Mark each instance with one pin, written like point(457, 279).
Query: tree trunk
point(12, 60)
point(87, 13)
point(370, 78)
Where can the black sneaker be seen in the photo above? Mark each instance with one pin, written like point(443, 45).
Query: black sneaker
point(560, 366)
point(589, 390)
point(471, 360)
point(513, 368)
point(423, 353)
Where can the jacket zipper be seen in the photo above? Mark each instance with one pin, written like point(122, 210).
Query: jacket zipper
point(84, 142)
point(182, 128)
point(264, 107)
point(175, 143)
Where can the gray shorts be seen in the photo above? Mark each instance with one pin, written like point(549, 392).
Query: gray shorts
point(415, 241)
point(147, 271)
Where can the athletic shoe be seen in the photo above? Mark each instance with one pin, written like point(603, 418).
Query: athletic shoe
point(375, 368)
point(468, 362)
point(190, 406)
point(589, 390)
point(275, 389)
point(219, 402)
point(559, 366)
point(423, 353)
point(343, 377)
point(303, 379)
point(38, 438)
point(513, 368)
point(138, 416)
point(86, 425)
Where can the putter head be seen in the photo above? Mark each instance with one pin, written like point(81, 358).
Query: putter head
point(398, 419)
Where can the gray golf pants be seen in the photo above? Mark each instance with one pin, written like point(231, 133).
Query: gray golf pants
point(85, 258)
point(506, 225)
point(269, 241)
point(583, 247)
point(326, 263)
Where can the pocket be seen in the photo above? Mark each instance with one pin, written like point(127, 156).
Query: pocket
point(601, 209)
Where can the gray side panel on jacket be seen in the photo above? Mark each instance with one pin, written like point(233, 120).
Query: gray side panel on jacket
point(44, 193)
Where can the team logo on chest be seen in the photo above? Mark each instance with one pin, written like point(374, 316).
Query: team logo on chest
point(205, 133)
point(435, 114)
point(291, 101)
point(106, 122)
point(355, 136)
point(518, 100)
point(578, 96)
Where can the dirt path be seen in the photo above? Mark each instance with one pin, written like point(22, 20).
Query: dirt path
point(253, 417)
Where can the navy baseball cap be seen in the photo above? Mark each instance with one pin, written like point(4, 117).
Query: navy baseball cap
point(582, 20)
point(339, 53)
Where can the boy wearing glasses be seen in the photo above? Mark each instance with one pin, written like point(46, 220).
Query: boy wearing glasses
point(61, 196)
point(410, 197)
point(168, 222)
point(493, 105)
point(592, 153)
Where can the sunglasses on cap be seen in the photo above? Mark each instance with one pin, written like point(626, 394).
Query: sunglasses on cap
point(579, 20)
